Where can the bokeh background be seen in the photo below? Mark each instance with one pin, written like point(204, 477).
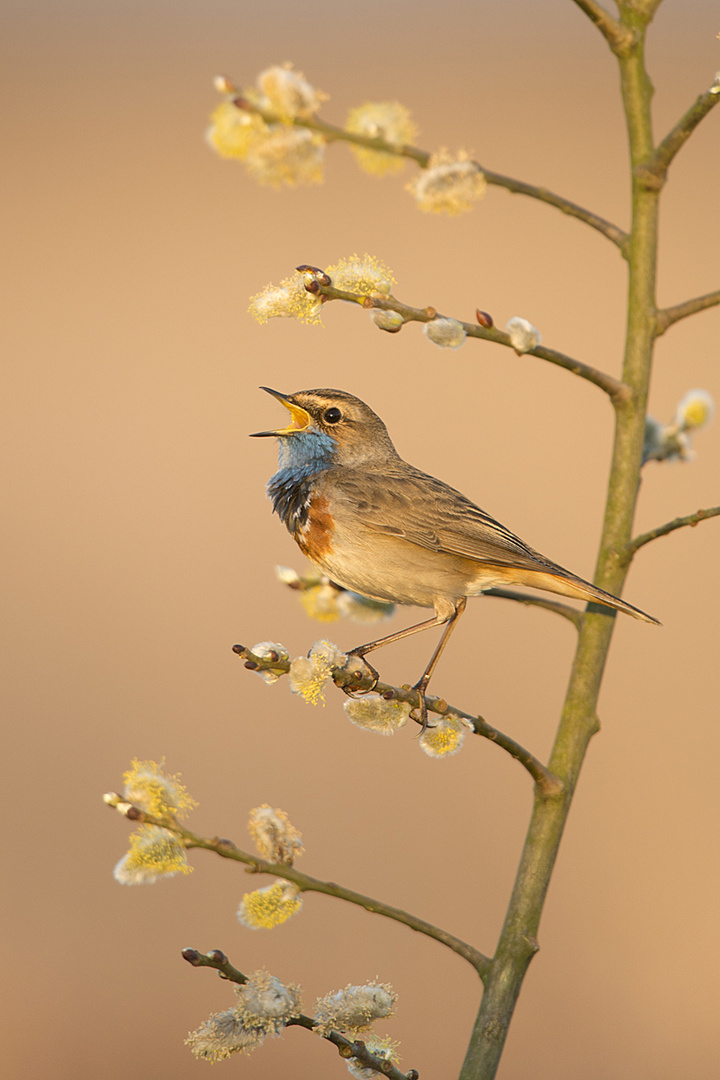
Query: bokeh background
point(140, 545)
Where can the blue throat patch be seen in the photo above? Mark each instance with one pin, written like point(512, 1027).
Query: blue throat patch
point(301, 456)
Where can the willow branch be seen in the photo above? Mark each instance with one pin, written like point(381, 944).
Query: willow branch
point(216, 959)
point(662, 530)
point(667, 316)
point(616, 235)
point(358, 682)
point(656, 165)
point(347, 1048)
point(333, 133)
point(618, 391)
point(618, 38)
point(305, 883)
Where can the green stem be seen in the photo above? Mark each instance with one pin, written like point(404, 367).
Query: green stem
point(518, 939)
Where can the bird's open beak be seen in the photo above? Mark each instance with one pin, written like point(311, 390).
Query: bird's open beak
point(301, 419)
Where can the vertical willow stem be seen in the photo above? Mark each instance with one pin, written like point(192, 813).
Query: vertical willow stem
point(518, 939)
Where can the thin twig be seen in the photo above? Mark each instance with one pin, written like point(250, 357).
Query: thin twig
point(548, 784)
point(572, 614)
point(518, 187)
point(655, 167)
point(216, 959)
point(305, 883)
point(347, 1048)
point(669, 315)
point(333, 133)
point(617, 37)
point(662, 530)
point(618, 391)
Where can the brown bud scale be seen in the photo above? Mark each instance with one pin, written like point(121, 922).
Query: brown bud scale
point(306, 268)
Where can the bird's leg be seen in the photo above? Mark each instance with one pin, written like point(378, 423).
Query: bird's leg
point(422, 684)
point(361, 650)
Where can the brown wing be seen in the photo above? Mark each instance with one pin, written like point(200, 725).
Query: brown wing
point(407, 503)
point(427, 512)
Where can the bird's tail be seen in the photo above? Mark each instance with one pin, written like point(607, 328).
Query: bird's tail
point(568, 585)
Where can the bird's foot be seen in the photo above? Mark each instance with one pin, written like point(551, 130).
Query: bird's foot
point(359, 691)
point(420, 713)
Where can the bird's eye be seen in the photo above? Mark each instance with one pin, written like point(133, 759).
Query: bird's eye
point(332, 416)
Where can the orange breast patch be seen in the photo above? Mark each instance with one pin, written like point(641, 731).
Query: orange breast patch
point(314, 536)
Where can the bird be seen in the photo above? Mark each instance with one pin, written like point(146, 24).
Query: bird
point(378, 526)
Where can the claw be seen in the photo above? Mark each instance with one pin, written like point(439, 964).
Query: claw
point(352, 691)
point(423, 721)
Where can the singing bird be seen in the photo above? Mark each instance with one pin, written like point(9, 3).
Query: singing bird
point(382, 528)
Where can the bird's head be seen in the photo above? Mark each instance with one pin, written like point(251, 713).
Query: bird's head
point(329, 427)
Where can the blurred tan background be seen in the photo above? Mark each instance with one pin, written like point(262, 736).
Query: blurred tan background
point(140, 545)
